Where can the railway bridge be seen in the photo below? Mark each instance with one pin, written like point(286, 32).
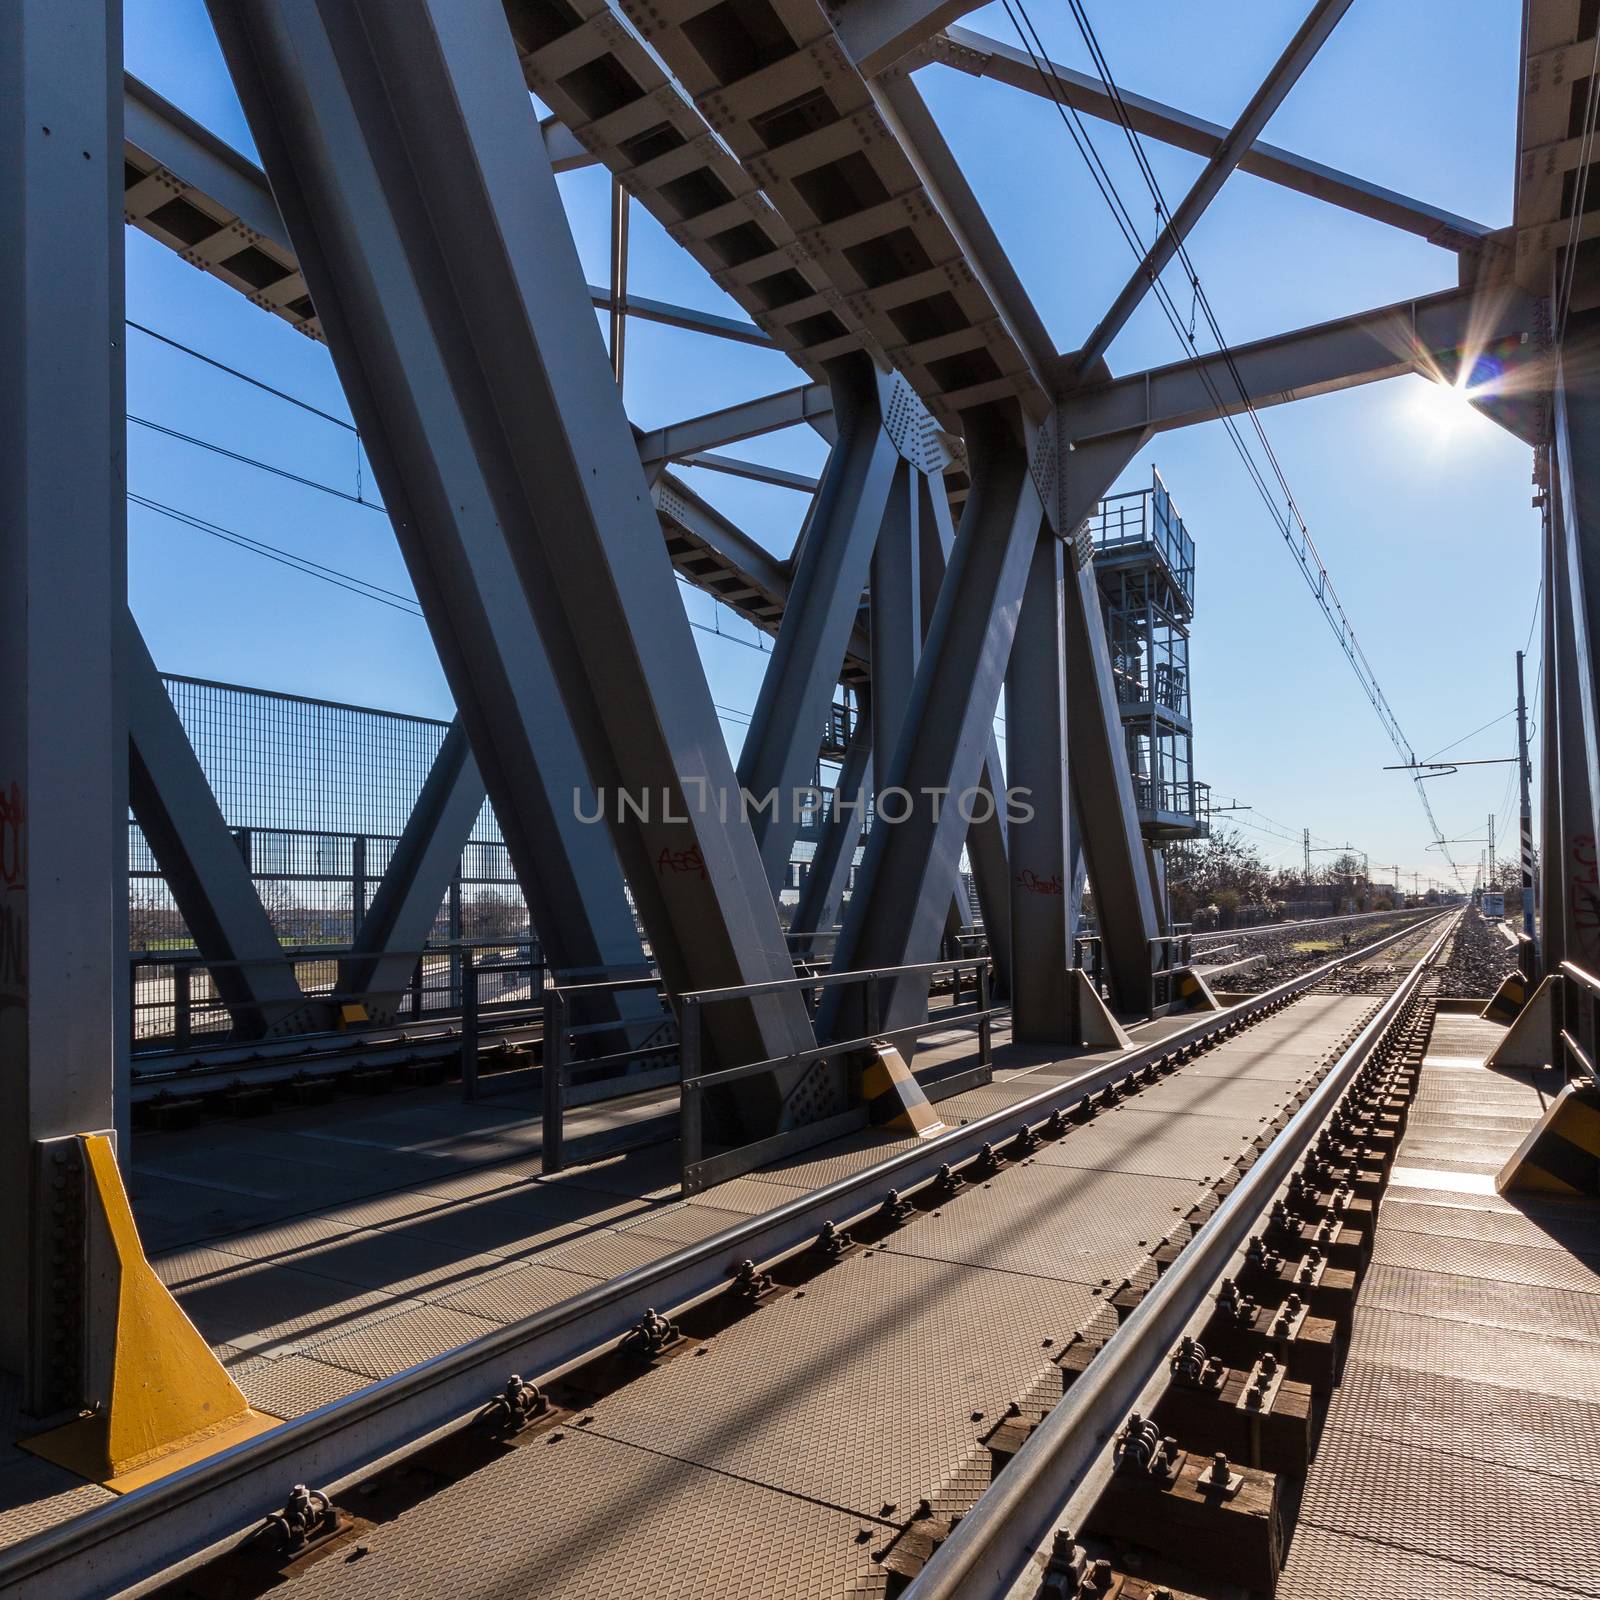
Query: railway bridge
point(558, 1148)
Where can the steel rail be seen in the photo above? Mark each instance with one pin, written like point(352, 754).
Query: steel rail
point(145, 1538)
point(994, 1542)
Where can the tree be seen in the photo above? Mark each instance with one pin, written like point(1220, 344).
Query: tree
point(1224, 872)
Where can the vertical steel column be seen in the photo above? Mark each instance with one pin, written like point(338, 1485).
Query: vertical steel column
point(895, 611)
point(184, 827)
point(410, 171)
point(1552, 855)
point(419, 876)
point(1108, 816)
point(897, 913)
point(1036, 715)
point(1524, 809)
point(834, 557)
point(63, 571)
point(986, 835)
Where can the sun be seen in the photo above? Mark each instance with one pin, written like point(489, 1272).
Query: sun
point(1444, 408)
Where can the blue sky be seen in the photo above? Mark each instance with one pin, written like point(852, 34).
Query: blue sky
point(1422, 513)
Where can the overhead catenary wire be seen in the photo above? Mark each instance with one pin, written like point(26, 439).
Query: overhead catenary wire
point(1290, 521)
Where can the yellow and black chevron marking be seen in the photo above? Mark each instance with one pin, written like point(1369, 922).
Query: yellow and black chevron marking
point(1562, 1153)
point(1190, 991)
point(892, 1095)
point(1509, 999)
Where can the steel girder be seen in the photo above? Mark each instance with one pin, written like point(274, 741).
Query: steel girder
point(832, 560)
point(1036, 716)
point(1428, 335)
point(175, 807)
point(987, 846)
point(897, 913)
point(809, 402)
point(227, 224)
point(423, 863)
point(63, 588)
point(984, 57)
point(426, 217)
point(1300, 52)
point(1107, 815)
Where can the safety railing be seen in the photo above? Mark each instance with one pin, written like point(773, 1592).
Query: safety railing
point(1575, 1021)
point(697, 1172)
point(182, 1000)
point(580, 1016)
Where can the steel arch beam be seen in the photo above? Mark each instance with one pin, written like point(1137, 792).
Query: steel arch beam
point(404, 155)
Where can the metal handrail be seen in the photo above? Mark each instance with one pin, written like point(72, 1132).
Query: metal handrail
point(115, 1546)
point(992, 1544)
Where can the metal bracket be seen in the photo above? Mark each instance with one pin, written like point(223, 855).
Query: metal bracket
point(1289, 1319)
point(1312, 1266)
point(1194, 1369)
point(1262, 1385)
point(1220, 1477)
point(1142, 1450)
point(653, 1334)
point(307, 1515)
point(513, 1408)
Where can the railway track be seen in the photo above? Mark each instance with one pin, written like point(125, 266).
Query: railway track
point(821, 1399)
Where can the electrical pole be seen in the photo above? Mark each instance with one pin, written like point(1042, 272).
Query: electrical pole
point(1488, 882)
point(1305, 839)
point(1523, 773)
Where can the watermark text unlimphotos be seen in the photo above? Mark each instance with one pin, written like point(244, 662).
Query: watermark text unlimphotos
point(893, 806)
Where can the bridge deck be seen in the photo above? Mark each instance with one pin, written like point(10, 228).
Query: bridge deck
point(1458, 1454)
point(321, 1248)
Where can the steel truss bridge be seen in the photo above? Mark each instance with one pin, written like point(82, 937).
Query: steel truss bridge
point(406, 214)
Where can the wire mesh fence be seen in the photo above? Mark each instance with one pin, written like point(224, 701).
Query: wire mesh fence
point(316, 795)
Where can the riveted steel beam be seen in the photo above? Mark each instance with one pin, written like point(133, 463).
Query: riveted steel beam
point(63, 591)
point(1042, 924)
point(1430, 335)
point(897, 913)
point(419, 195)
point(834, 556)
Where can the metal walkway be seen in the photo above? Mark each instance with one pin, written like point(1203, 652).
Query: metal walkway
point(1457, 1458)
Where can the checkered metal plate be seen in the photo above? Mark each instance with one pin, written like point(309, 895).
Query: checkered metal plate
point(684, 1224)
point(1543, 1364)
point(509, 1296)
point(1509, 1426)
point(866, 1390)
point(398, 1263)
point(1578, 1229)
point(1241, 1100)
point(1456, 1509)
point(1073, 1223)
point(1541, 1266)
point(1481, 1300)
point(262, 1306)
point(1153, 1143)
point(573, 1516)
point(290, 1386)
point(1326, 1565)
point(382, 1349)
point(606, 1254)
point(35, 1495)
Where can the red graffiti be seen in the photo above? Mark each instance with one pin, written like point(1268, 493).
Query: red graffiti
point(1030, 881)
point(689, 860)
point(13, 845)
